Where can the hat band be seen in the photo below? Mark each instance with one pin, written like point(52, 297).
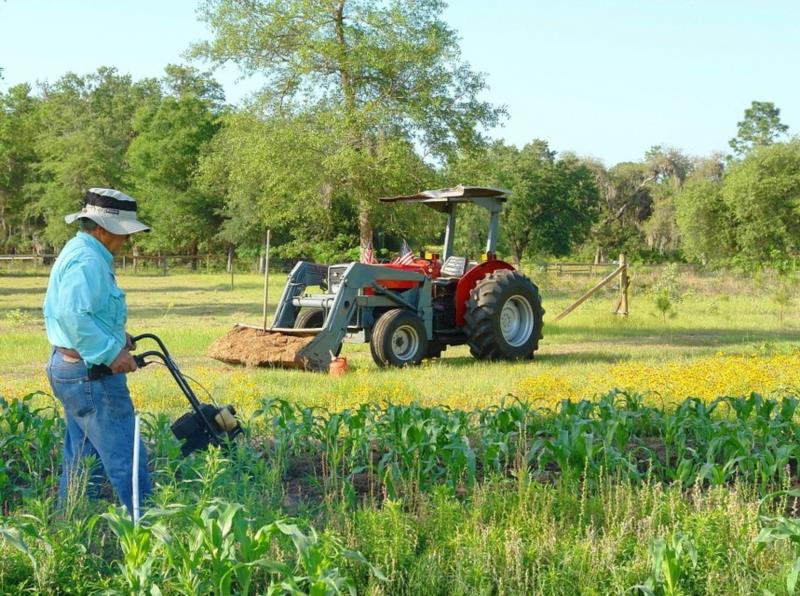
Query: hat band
point(94, 199)
point(95, 210)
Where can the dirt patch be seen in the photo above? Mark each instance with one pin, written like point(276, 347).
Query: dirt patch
point(256, 347)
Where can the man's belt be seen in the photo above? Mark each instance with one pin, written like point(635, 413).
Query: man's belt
point(95, 371)
point(67, 352)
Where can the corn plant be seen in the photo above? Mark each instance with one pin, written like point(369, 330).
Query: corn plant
point(216, 548)
point(778, 528)
point(29, 446)
point(669, 558)
point(140, 548)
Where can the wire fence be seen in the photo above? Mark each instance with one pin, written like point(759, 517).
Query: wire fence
point(223, 263)
point(153, 264)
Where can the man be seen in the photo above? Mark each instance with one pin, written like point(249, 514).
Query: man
point(85, 315)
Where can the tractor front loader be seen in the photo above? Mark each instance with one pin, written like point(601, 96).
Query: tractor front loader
point(406, 311)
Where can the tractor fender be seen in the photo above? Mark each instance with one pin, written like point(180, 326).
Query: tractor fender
point(470, 280)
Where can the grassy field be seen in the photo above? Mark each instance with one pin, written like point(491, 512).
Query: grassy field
point(728, 337)
point(457, 477)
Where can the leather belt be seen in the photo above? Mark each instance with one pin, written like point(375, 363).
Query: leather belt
point(69, 352)
point(94, 372)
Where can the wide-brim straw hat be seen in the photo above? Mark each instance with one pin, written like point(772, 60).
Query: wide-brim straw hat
point(110, 209)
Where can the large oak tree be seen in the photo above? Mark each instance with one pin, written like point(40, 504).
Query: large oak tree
point(374, 74)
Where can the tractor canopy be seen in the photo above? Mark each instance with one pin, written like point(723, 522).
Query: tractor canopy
point(444, 198)
point(445, 201)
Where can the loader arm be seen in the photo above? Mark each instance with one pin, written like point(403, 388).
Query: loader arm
point(303, 274)
point(357, 276)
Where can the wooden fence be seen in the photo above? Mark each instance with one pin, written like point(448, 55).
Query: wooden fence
point(161, 263)
point(131, 263)
point(578, 268)
point(621, 272)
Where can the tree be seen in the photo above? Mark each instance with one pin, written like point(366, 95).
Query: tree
point(89, 127)
point(19, 125)
point(553, 202)
point(762, 193)
point(761, 127)
point(627, 200)
point(164, 156)
point(669, 168)
point(704, 220)
point(269, 180)
point(377, 78)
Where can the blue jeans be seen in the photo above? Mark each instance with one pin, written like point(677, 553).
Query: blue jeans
point(100, 424)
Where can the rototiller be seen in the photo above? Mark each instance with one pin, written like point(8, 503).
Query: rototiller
point(206, 424)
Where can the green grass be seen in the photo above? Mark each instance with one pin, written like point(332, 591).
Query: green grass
point(590, 531)
point(220, 521)
point(718, 315)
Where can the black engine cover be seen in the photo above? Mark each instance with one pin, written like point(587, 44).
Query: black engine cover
point(192, 432)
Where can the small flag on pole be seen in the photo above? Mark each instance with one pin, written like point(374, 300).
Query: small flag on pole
point(367, 255)
point(406, 255)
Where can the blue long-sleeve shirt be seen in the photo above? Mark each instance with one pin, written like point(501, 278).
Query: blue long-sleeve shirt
point(84, 309)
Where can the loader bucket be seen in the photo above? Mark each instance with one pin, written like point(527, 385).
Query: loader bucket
point(252, 346)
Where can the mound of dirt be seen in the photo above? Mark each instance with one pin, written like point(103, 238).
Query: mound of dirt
point(256, 347)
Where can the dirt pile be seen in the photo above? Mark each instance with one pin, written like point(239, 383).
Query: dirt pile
point(256, 347)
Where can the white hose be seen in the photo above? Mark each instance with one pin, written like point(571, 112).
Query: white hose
point(135, 478)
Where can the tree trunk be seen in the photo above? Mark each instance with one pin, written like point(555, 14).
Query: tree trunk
point(193, 252)
point(364, 224)
point(516, 253)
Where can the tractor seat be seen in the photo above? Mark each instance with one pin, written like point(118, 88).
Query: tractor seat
point(454, 267)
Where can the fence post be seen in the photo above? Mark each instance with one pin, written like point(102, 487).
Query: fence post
point(266, 278)
point(624, 280)
point(164, 265)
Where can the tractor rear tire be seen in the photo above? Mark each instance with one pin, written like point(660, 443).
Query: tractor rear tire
point(312, 318)
point(504, 317)
point(399, 339)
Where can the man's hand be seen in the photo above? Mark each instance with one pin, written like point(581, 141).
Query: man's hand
point(130, 345)
point(123, 363)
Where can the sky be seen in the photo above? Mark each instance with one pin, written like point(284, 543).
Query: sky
point(601, 78)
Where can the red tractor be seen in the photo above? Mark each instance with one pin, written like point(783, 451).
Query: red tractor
point(408, 310)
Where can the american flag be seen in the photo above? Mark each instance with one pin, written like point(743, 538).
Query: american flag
point(367, 256)
point(406, 255)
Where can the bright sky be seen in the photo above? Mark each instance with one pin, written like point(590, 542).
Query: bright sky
point(602, 78)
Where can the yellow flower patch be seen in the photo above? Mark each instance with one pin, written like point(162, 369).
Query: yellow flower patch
point(706, 378)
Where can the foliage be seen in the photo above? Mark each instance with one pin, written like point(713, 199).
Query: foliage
point(28, 454)
point(666, 292)
point(779, 528)
point(669, 557)
point(704, 221)
point(89, 126)
point(170, 137)
point(18, 125)
point(459, 499)
point(761, 193)
point(784, 293)
point(373, 79)
point(553, 202)
point(760, 127)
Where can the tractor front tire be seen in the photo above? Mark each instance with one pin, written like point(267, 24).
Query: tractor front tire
point(504, 317)
point(313, 318)
point(399, 339)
